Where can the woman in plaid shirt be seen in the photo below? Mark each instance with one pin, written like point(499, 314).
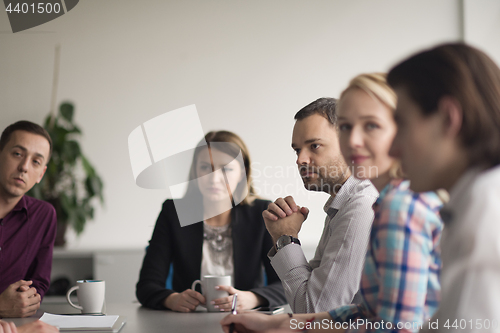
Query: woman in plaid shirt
point(400, 280)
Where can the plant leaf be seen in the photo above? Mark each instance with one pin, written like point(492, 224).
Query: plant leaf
point(63, 183)
point(89, 169)
point(70, 152)
point(67, 110)
point(58, 135)
point(80, 220)
point(75, 129)
point(67, 208)
point(93, 185)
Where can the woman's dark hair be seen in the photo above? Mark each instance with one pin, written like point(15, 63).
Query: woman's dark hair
point(470, 77)
point(233, 149)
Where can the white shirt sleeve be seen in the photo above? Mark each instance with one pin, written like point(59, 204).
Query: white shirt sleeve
point(332, 278)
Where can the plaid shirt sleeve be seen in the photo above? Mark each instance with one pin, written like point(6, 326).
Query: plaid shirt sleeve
point(400, 247)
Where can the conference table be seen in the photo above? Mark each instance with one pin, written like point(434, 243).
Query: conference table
point(143, 320)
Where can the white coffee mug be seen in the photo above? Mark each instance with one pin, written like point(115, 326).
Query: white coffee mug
point(91, 295)
point(208, 284)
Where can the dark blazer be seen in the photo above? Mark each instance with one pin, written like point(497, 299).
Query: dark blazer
point(182, 246)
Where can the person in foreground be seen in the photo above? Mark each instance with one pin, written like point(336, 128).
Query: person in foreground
point(234, 241)
point(400, 280)
point(33, 327)
point(27, 225)
point(449, 137)
point(332, 277)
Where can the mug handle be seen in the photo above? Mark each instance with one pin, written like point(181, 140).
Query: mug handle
point(195, 283)
point(69, 300)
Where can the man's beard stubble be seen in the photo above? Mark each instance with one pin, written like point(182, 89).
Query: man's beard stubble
point(329, 178)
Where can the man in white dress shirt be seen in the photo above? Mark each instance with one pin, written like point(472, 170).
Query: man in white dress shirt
point(332, 277)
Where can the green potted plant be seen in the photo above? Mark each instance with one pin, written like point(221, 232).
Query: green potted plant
point(70, 183)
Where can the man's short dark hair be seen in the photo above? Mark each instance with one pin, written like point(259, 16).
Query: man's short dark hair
point(27, 126)
point(324, 106)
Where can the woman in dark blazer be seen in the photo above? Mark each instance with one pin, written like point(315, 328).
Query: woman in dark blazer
point(226, 240)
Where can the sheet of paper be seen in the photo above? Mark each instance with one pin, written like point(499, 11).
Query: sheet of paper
point(78, 321)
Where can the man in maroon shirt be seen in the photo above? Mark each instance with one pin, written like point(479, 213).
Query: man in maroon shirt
point(27, 225)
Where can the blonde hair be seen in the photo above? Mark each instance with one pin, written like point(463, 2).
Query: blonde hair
point(376, 86)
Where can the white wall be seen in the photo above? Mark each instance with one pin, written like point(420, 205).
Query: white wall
point(482, 26)
point(247, 65)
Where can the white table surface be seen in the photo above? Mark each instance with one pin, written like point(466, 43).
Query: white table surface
point(143, 320)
